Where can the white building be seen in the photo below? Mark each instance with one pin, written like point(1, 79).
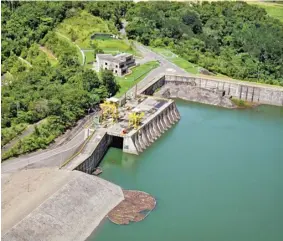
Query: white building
point(119, 64)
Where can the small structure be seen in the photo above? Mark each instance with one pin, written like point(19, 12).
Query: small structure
point(119, 64)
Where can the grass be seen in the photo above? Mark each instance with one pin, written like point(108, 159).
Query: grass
point(180, 62)
point(81, 27)
point(274, 10)
point(138, 73)
point(115, 45)
point(89, 55)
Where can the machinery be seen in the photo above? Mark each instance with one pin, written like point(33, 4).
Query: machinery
point(110, 109)
point(135, 118)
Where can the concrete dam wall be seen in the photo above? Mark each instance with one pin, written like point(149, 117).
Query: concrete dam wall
point(160, 115)
point(151, 130)
point(256, 93)
point(89, 165)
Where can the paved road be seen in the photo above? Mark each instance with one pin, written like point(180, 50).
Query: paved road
point(52, 157)
point(166, 67)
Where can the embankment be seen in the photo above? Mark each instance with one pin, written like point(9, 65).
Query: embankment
point(44, 204)
point(251, 92)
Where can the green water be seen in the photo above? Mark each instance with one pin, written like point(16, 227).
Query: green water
point(217, 176)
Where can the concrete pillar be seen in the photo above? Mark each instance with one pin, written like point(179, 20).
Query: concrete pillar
point(137, 144)
point(148, 133)
point(174, 118)
point(166, 120)
point(153, 130)
point(176, 112)
point(142, 144)
point(165, 127)
point(153, 134)
point(159, 124)
point(156, 127)
point(146, 141)
point(169, 115)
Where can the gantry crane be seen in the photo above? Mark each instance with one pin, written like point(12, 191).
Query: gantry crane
point(135, 118)
point(110, 109)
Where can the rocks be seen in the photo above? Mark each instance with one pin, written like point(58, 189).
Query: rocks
point(205, 71)
point(196, 94)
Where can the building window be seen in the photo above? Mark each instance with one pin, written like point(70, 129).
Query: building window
point(105, 63)
point(116, 71)
point(116, 66)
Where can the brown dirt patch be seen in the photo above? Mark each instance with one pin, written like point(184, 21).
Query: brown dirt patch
point(134, 208)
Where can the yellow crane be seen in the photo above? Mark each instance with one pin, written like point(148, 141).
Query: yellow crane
point(110, 109)
point(135, 118)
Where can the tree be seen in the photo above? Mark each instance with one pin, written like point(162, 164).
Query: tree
point(192, 19)
point(110, 82)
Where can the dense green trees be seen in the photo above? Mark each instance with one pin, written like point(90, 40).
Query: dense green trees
point(232, 38)
point(59, 94)
point(27, 23)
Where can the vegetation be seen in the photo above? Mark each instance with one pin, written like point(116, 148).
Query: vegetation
point(242, 103)
point(61, 93)
point(50, 56)
point(114, 46)
point(10, 133)
point(137, 74)
point(80, 27)
point(179, 61)
point(231, 38)
point(274, 10)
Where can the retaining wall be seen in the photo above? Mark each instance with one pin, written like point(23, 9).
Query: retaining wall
point(271, 95)
point(90, 163)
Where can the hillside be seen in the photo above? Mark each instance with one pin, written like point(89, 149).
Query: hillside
point(46, 80)
point(80, 27)
point(235, 39)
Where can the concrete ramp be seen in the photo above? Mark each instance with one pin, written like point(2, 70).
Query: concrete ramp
point(71, 212)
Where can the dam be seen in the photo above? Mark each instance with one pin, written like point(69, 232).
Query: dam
point(160, 113)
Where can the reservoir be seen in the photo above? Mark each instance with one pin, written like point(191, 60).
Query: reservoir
point(217, 175)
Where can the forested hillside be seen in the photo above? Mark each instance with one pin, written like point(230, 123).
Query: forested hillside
point(44, 78)
point(231, 38)
point(34, 89)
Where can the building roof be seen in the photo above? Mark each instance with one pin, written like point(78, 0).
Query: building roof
point(119, 58)
point(113, 99)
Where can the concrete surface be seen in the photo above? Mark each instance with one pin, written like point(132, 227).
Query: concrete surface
point(46, 204)
point(195, 94)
